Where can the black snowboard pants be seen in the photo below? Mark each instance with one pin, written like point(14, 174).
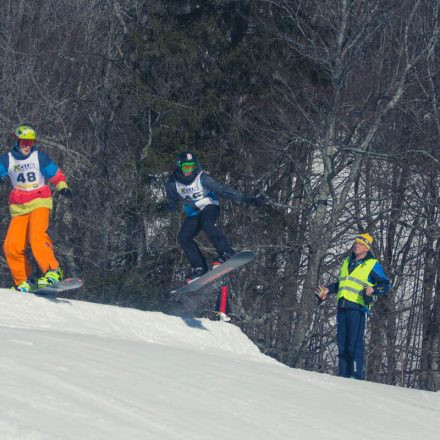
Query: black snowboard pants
point(191, 226)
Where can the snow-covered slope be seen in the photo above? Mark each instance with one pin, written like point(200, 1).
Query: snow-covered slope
point(75, 370)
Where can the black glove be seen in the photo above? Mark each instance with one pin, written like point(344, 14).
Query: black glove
point(161, 207)
point(66, 192)
point(253, 200)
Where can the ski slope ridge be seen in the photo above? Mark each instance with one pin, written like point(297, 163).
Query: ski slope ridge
point(75, 370)
point(79, 317)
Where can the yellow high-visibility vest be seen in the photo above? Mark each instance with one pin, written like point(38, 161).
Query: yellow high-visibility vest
point(351, 286)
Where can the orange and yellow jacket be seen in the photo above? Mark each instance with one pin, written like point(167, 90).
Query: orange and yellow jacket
point(29, 176)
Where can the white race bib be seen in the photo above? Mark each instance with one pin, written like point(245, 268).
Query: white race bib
point(195, 192)
point(25, 174)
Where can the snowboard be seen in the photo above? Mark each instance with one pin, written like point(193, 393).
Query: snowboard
point(237, 260)
point(62, 286)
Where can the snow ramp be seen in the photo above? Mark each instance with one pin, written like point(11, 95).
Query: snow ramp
point(28, 311)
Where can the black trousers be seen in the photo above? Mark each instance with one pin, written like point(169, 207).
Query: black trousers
point(205, 221)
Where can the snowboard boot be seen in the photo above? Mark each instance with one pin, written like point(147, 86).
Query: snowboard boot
point(223, 256)
point(25, 286)
point(194, 273)
point(52, 276)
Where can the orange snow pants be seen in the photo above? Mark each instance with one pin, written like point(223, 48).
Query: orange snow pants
point(29, 229)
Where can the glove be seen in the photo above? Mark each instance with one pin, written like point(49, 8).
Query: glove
point(161, 208)
point(253, 200)
point(66, 192)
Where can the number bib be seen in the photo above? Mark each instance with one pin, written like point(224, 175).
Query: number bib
point(196, 194)
point(25, 174)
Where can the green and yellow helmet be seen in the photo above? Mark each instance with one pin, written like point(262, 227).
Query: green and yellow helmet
point(25, 132)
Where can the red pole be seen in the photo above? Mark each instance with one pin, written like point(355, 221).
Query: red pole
point(223, 299)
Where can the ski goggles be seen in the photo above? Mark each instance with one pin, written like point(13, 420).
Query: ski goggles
point(26, 142)
point(186, 167)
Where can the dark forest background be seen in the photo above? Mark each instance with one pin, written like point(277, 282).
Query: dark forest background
point(328, 109)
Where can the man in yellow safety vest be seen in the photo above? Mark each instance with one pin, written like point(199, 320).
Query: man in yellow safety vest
point(361, 279)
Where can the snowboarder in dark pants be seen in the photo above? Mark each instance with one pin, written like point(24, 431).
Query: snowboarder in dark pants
point(361, 279)
point(199, 192)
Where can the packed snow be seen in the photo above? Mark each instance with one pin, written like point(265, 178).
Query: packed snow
point(77, 370)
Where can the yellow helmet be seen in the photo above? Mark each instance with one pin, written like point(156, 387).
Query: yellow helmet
point(25, 132)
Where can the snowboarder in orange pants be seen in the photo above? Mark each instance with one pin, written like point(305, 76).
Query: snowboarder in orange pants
point(30, 203)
